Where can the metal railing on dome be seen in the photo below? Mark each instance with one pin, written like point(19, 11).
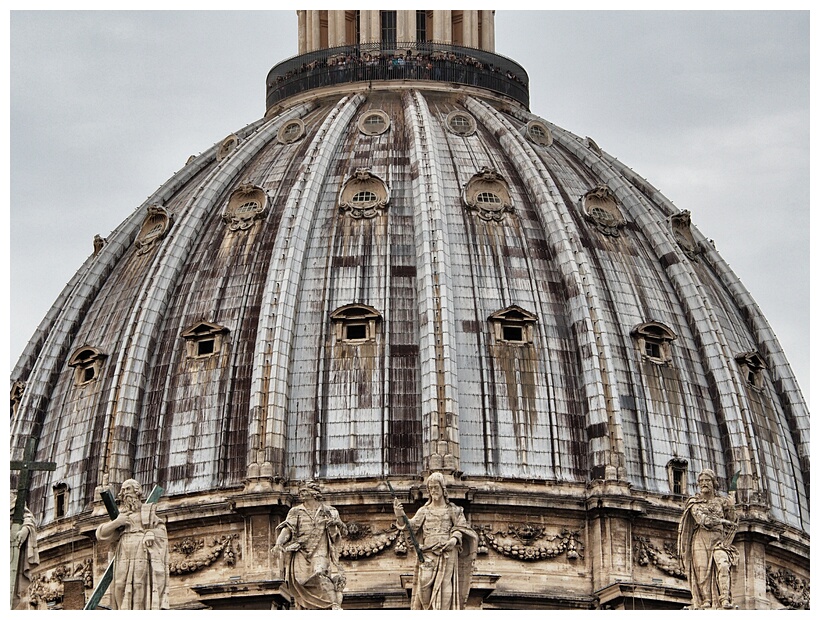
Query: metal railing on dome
point(397, 61)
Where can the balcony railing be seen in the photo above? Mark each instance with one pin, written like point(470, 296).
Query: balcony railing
point(400, 61)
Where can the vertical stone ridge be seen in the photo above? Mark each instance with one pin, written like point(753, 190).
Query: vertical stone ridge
point(267, 429)
point(606, 453)
point(439, 380)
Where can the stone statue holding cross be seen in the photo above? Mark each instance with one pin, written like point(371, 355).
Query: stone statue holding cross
point(140, 567)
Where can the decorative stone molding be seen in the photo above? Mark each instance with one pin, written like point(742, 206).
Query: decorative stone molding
point(364, 195)
point(528, 542)
point(600, 207)
point(17, 389)
point(87, 362)
point(291, 131)
point(362, 542)
point(227, 146)
point(538, 133)
point(680, 225)
point(99, 244)
point(752, 365)
point(487, 195)
point(593, 146)
point(666, 559)
point(154, 228)
point(373, 122)
point(246, 205)
point(47, 588)
point(653, 341)
point(196, 555)
point(460, 123)
point(788, 588)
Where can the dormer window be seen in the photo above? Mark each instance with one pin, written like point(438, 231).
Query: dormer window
point(653, 340)
point(226, 146)
point(374, 122)
point(246, 205)
point(364, 195)
point(601, 208)
point(539, 133)
point(677, 470)
point(752, 367)
point(461, 123)
point(204, 339)
point(17, 389)
point(87, 362)
point(355, 323)
point(291, 131)
point(154, 227)
point(487, 195)
point(513, 325)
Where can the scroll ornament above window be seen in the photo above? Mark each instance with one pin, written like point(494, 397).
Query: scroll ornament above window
point(227, 146)
point(680, 224)
point(155, 226)
point(752, 366)
point(364, 195)
point(487, 195)
point(600, 207)
point(246, 205)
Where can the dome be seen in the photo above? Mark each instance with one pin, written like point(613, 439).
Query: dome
point(401, 269)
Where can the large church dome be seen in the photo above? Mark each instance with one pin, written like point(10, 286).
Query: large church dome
point(401, 269)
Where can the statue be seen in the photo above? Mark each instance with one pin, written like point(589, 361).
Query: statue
point(140, 578)
point(308, 548)
point(442, 581)
point(26, 541)
point(705, 536)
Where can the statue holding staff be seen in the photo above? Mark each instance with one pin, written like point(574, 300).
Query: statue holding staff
point(447, 544)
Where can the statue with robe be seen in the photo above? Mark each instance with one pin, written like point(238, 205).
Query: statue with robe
point(308, 545)
point(26, 541)
point(448, 545)
point(140, 579)
point(705, 535)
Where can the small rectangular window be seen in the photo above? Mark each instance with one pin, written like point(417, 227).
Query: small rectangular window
point(652, 349)
point(356, 331)
point(513, 333)
point(677, 481)
point(205, 347)
point(88, 374)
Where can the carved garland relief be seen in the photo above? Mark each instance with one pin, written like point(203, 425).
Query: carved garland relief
point(156, 225)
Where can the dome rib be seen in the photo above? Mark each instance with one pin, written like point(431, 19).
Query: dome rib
point(267, 430)
point(439, 374)
point(605, 450)
point(145, 321)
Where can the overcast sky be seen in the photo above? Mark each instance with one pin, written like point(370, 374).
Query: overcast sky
point(710, 107)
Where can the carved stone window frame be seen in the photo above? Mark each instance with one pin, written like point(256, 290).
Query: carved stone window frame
point(368, 127)
point(247, 204)
point(678, 472)
point(355, 323)
point(460, 123)
point(752, 366)
point(87, 363)
point(363, 183)
point(513, 320)
point(475, 195)
point(538, 133)
point(227, 146)
point(653, 341)
point(17, 389)
point(291, 131)
point(680, 225)
point(600, 207)
point(204, 339)
point(154, 228)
